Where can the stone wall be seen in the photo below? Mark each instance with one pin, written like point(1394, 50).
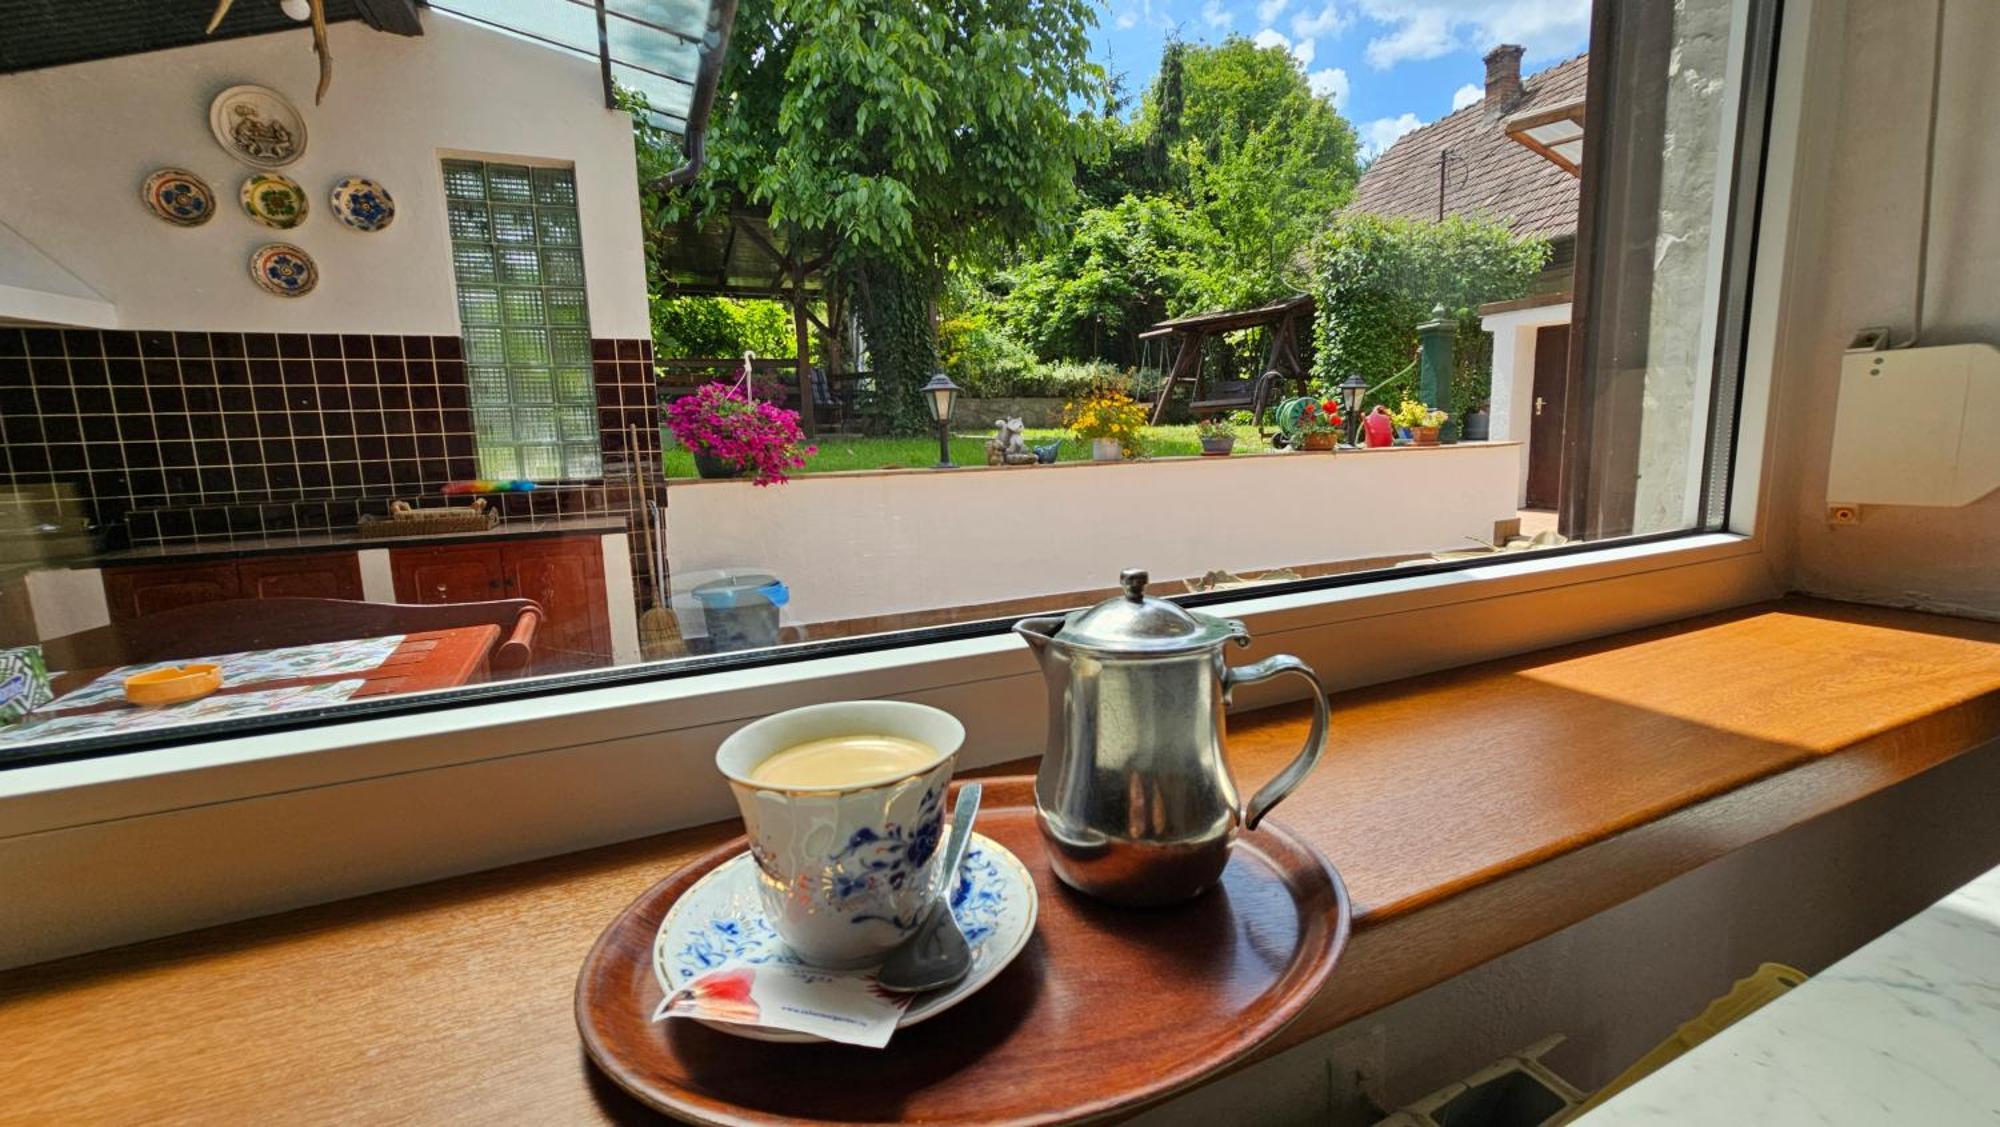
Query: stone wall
point(972, 415)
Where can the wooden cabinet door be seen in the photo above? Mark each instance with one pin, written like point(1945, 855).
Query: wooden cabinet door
point(134, 592)
point(566, 576)
point(332, 575)
point(467, 573)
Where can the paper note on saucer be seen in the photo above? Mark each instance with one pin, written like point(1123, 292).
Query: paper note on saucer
point(837, 1005)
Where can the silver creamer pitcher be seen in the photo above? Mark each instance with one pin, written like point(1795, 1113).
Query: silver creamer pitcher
point(1134, 796)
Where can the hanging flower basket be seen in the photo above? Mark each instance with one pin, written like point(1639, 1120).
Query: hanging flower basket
point(731, 434)
point(715, 469)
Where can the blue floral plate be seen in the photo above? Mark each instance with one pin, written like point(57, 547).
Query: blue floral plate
point(719, 919)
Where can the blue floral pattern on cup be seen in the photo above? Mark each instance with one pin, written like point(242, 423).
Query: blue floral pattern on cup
point(732, 926)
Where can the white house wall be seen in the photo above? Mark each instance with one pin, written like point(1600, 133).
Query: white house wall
point(864, 544)
point(80, 139)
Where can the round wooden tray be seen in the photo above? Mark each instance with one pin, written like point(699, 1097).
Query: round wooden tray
point(1106, 1010)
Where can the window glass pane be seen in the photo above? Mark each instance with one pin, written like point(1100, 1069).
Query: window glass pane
point(1518, 273)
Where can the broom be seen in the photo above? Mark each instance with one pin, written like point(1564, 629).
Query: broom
point(659, 632)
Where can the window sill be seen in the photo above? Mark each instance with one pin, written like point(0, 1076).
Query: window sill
point(188, 836)
point(1470, 813)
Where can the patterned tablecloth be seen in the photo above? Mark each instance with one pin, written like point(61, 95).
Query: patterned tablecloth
point(45, 724)
point(321, 659)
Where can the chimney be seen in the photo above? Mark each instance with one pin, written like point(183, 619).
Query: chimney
point(1503, 79)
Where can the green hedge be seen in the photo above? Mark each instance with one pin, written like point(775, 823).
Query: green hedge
point(1377, 279)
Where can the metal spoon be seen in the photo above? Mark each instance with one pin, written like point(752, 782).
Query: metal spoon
point(936, 954)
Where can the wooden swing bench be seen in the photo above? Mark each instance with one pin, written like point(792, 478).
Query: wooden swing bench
point(1290, 325)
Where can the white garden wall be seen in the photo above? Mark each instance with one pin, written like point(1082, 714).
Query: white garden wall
point(861, 544)
point(80, 139)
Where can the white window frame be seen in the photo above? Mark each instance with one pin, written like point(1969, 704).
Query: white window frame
point(107, 850)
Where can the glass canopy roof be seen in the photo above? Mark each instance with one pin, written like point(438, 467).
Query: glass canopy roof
point(656, 48)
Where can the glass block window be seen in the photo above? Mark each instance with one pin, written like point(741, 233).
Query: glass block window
point(516, 250)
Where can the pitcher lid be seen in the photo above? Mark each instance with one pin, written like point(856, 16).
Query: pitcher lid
point(1134, 623)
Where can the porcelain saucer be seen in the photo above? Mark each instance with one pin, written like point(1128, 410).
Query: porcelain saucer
point(719, 919)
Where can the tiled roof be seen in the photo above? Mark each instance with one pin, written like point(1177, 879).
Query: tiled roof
point(1487, 173)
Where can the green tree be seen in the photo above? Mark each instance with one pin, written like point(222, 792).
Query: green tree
point(1124, 268)
point(1377, 279)
point(721, 326)
point(906, 136)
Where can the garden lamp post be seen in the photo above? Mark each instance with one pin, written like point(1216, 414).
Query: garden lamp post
point(941, 395)
point(1351, 390)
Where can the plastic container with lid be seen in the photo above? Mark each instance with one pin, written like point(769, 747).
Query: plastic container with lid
point(734, 609)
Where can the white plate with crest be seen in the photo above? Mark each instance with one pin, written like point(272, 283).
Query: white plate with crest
point(721, 920)
point(258, 126)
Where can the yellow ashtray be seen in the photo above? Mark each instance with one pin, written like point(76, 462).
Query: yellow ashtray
point(173, 685)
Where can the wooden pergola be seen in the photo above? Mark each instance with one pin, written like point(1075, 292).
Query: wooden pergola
point(740, 254)
point(1286, 355)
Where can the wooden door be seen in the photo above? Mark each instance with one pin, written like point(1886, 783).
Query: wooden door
point(330, 575)
point(144, 589)
point(566, 576)
point(465, 573)
point(1545, 420)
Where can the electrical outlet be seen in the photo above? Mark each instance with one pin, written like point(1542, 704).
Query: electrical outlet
point(1843, 514)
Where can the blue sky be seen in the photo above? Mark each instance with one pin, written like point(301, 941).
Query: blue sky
point(1388, 65)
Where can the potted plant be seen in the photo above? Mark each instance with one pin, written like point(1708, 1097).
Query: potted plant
point(1421, 420)
point(731, 434)
point(1218, 436)
point(1318, 425)
point(1109, 420)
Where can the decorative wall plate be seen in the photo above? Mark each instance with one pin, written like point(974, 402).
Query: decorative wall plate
point(283, 269)
point(258, 126)
point(275, 200)
point(363, 204)
point(179, 197)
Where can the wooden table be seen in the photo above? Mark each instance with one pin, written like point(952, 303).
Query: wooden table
point(425, 660)
point(1471, 812)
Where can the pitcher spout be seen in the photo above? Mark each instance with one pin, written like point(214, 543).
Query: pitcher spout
point(1037, 632)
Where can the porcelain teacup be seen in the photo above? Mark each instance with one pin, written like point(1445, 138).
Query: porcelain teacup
point(845, 872)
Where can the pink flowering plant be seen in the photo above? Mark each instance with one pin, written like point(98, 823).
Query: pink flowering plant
point(722, 422)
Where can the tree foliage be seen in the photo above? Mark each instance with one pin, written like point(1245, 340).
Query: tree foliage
point(1230, 167)
point(906, 136)
point(721, 326)
point(1377, 279)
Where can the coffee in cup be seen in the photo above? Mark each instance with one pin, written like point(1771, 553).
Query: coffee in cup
point(837, 761)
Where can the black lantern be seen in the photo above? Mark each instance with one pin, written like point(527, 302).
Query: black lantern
point(1351, 390)
point(941, 395)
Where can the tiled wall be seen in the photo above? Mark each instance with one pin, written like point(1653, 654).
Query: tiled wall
point(326, 426)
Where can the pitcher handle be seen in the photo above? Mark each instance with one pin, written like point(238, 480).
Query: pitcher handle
point(1296, 771)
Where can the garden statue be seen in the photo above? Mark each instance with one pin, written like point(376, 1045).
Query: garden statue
point(1007, 447)
point(1379, 428)
point(1047, 451)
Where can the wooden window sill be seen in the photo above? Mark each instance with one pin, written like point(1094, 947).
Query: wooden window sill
point(1470, 812)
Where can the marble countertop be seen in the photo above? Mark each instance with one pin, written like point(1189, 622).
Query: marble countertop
point(1904, 1031)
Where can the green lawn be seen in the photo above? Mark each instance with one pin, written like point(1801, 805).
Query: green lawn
point(836, 454)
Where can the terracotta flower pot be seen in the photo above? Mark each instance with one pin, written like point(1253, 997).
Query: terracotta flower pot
point(1318, 440)
point(1424, 436)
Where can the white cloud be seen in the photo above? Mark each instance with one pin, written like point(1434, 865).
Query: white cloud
point(1128, 19)
point(1215, 15)
point(1329, 20)
point(1269, 10)
point(1379, 134)
point(1330, 84)
point(1467, 95)
point(1301, 52)
point(1426, 29)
